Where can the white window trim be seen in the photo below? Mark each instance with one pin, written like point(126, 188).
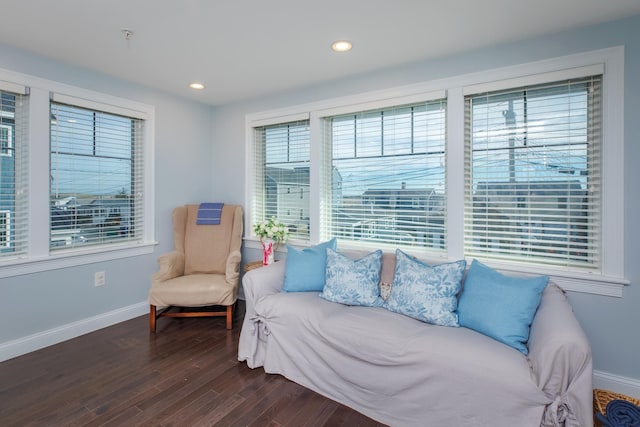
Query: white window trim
point(610, 280)
point(38, 257)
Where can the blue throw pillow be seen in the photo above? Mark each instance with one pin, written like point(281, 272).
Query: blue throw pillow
point(499, 306)
point(353, 282)
point(424, 292)
point(304, 269)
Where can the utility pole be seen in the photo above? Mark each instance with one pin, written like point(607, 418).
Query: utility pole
point(510, 122)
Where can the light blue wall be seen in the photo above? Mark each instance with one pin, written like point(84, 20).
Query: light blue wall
point(39, 302)
point(612, 324)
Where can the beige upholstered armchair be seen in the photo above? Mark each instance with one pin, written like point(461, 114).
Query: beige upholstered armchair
point(202, 271)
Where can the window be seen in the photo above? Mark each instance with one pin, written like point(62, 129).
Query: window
point(76, 183)
point(388, 175)
point(521, 167)
point(533, 179)
point(13, 172)
point(96, 177)
point(282, 153)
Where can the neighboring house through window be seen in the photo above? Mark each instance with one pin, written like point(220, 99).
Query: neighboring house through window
point(6, 140)
point(5, 229)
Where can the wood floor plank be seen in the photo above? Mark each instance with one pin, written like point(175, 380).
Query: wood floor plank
point(177, 401)
point(310, 410)
point(186, 374)
point(277, 413)
point(255, 404)
point(196, 411)
point(216, 413)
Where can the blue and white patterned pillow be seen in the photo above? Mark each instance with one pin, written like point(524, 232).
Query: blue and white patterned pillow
point(424, 292)
point(353, 282)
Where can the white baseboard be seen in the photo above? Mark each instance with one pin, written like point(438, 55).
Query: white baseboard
point(20, 346)
point(616, 383)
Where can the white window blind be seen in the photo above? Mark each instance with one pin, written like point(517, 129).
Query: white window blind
point(533, 174)
point(97, 177)
point(13, 173)
point(282, 153)
point(388, 175)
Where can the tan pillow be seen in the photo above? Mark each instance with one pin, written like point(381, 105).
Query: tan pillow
point(388, 269)
point(386, 276)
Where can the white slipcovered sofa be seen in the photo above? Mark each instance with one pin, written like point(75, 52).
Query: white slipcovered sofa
point(404, 372)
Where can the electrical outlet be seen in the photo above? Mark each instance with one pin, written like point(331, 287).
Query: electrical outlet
point(99, 278)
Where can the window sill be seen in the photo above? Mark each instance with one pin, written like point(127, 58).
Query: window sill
point(602, 286)
point(55, 261)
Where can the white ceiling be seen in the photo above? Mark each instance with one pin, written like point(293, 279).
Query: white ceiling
point(246, 48)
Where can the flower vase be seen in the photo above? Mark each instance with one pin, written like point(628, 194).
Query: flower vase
point(267, 252)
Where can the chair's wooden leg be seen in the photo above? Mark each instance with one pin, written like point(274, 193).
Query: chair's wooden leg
point(152, 318)
point(229, 316)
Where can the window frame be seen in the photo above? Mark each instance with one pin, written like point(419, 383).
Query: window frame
point(608, 281)
point(39, 257)
point(254, 214)
point(592, 144)
point(135, 124)
point(431, 102)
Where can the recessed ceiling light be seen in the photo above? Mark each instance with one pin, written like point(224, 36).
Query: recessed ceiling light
point(341, 46)
point(196, 85)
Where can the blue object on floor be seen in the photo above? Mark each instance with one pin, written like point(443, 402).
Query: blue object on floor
point(620, 413)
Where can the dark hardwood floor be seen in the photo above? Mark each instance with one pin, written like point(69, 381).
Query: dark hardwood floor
point(187, 374)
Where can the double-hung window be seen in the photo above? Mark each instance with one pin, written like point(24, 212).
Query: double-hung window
point(387, 175)
point(533, 174)
point(282, 175)
point(97, 177)
point(13, 171)
point(76, 176)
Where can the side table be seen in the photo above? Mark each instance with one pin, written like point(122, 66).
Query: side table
point(251, 265)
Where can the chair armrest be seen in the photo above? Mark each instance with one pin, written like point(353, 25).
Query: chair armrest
point(561, 361)
point(232, 269)
point(171, 266)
